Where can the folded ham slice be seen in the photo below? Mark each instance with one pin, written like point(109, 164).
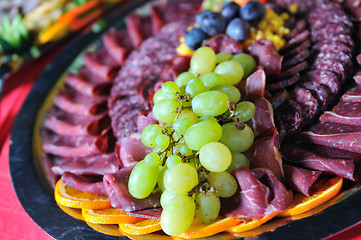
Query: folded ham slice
point(300, 179)
point(91, 184)
point(119, 196)
point(260, 193)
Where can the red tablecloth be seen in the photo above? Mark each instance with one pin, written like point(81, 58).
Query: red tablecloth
point(14, 221)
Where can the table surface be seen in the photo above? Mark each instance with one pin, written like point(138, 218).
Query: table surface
point(14, 221)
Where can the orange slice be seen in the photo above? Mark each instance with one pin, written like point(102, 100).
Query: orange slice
point(71, 197)
point(108, 216)
point(324, 190)
point(74, 212)
point(111, 229)
point(201, 230)
point(141, 228)
point(253, 223)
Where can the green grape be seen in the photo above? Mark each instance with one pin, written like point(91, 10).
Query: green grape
point(215, 157)
point(232, 92)
point(224, 183)
point(181, 125)
point(211, 103)
point(231, 70)
point(170, 90)
point(203, 61)
point(162, 141)
point(208, 206)
point(207, 118)
point(202, 133)
point(160, 183)
point(239, 160)
point(212, 79)
point(180, 178)
point(178, 216)
point(195, 87)
point(150, 133)
point(152, 159)
point(166, 197)
point(142, 180)
point(166, 110)
point(158, 96)
point(186, 151)
point(189, 114)
point(245, 110)
point(223, 56)
point(237, 140)
point(183, 79)
point(173, 160)
point(176, 148)
point(247, 61)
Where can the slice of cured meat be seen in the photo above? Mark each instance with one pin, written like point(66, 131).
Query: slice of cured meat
point(303, 156)
point(332, 46)
point(91, 184)
point(300, 179)
point(288, 118)
point(344, 112)
point(335, 135)
point(259, 194)
point(144, 119)
point(298, 58)
point(357, 77)
point(264, 154)
point(352, 95)
point(102, 64)
point(119, 196)
point(309, 105)
point(83, 83)
point(296, 41)
point(255, 83)
point(153, 213)
point(117, 44)
point(99, 164)
point(139, 28)
point(320, 92)
point(263, 117)
point(283, 83)
point(278, 98)
point(223, 43)
point(300, 26)
point(325, 78)
point(294, 51)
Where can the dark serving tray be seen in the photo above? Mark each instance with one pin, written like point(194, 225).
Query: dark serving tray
point(37, 199)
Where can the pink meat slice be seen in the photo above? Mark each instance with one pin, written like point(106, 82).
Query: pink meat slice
point(255, 84)
point(267, 56)
point(153, 213)
point(300, 179)
point(344, 112)
point(335, 135)
point(138, 28)
point(144, 119)
point(352, 95)
point(260, 193)
point(131, 150)
point(99, 164)
point(91, 184)
point(102, 64)
point(117, 44)
point(304, 156)
point(264, 154)
point(263, 117)
point(117, 187)
point(223, 43)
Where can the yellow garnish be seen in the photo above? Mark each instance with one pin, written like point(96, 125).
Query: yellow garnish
point(293, 8)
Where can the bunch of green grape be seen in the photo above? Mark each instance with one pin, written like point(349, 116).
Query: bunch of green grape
point(200, 140)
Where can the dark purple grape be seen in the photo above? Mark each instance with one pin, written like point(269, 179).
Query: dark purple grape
point(200, 16)
point(194, 38)
point(253, 12)
point(238, 29)
point(230, 10)
point(212, 23)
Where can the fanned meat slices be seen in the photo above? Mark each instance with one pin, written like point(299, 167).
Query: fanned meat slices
point(344, 112)
point(91, 184)
point(117, 44)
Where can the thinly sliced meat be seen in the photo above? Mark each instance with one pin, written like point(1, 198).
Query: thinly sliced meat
point(117, 44)
point(308, 103)
point(283, 83)
point(119, 196)
point(290, 53)
point(352, 95)
point(263, 117)
point(223, 43)
point(300, 179)
point(357, 77)
point(296, 41)
point(264, 154)
point(278, 98)
point(255, 83)
point(303, 156)
point(131, 150)
point(91, 184)
point(144, 119)
point(288, 118)
point(267, 56)
point(260, 193)
point(139, 28)
point(99, 164)
point(154, 213)
point(300, 26)
point(320, 92)
point(325, 78)
point(102, 64)
point(345, 113)
point(300, 57)
point(335, 135)
point(76, 125)
point(331, 46)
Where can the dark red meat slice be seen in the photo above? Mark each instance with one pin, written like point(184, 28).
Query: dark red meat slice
point(264, 154)
point(278, 98)
point(119, 196)
point(291, 71)
point(300, 57)
point(255, 83)
point(153, 213)
point(102, 64)
point(297, 40)
point(266, 55)
point(318, 91)
point(335, 135)
point(340, 57)
point(300, 179)
point(341, 38)
point(331, 66)
point(117, 44)
point(329, 28)
point(263, 117)
point(304, 157)
point(325, 78)
point(144, 119)
point(223, 43)
point(352, 95)
point(331, 46)
point(294, 51)
point(84, 85)
point(357, 77)
point(139, 28)
point(260, 193)
point(99, 164)
point(344, 112)
point(92, 184)
point(288, 118)
point(308, 103)
point(283, 83)
point(298, 28)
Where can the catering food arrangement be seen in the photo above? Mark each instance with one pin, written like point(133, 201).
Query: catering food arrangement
point(210, 117)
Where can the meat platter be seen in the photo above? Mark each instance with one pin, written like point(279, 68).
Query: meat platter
point(28, 177)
